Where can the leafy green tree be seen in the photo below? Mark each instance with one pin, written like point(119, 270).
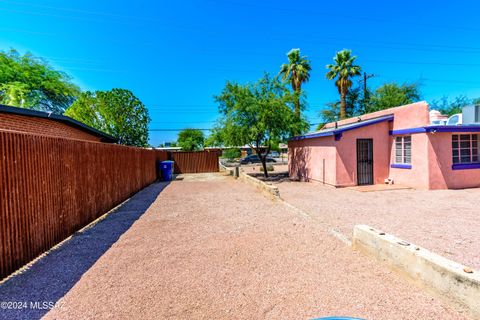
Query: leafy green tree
point(30, 82)
point(117, 112)
point(214, 139)
point(191, 139)
point(343, 70)
point(393, 95)
point(354, 107)
point(296, 72)
point(451, 107)
point(231, 153)
point(258, 115)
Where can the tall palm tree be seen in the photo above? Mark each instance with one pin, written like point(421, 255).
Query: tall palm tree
point(297, 72)
point(344, 70)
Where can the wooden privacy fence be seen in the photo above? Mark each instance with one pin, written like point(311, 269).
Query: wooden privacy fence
point(196, 161)
point(51, 187)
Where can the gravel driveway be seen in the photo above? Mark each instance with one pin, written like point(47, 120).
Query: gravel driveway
point(218, 249)
point(444, 221)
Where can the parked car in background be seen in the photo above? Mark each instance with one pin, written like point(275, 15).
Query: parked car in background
point(254, 158)
point(274, 154)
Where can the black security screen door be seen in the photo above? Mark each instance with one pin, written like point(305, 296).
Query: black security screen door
point(364, 161)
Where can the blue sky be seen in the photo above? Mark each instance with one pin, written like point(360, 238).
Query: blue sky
point(175, 55)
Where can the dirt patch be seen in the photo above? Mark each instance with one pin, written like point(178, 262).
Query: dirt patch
point(273, 177)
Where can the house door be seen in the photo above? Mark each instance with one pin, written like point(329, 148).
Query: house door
point(364, 161)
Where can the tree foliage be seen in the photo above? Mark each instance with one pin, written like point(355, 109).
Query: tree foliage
point(191, 139)
point(343, 70)
point(30, 82)
point(232, 153)
point(117, 112)
point(296, 72)
point(258, 115)
point(392, 95)
point(384, 97)
point(450, 107)
point(353, 107)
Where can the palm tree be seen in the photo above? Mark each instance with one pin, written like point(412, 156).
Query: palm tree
point(344, 70)
point(296, 71)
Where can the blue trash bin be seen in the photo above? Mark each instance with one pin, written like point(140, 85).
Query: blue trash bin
point(166, 167)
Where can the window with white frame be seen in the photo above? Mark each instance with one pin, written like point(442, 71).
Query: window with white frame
point(403, 149)
point(465, 148)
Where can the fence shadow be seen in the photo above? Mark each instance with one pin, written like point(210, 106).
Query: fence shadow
point(51, 277)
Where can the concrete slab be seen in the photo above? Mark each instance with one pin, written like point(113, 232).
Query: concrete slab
point(378, 187)
point(448, 278)
point(201, 177)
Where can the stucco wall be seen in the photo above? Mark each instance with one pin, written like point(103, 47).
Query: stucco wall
point(431, 154)
point(432, 165)
point(442, 175)
point(417, 176)
point(307, 158)
point(347, 153)
point(407, 116)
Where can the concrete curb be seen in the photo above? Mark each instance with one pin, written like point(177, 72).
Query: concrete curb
point(443, 276)
point(268, 190)
point(224, 168)
point(230, 171)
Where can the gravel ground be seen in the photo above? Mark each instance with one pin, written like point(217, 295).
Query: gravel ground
point(219, 250)
point(444, 221)
point(51, 277)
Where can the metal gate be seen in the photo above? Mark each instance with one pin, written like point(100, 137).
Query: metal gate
point(364, 161)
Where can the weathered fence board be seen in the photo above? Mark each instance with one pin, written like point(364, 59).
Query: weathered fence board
point(195, 162)
point(52, 187)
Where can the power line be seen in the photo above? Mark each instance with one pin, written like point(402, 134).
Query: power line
point(202, 129)
point(424, 63)
point(291, 10)
point(180, 129)
point(180, 122)
point(288, 11)
point(196, 28)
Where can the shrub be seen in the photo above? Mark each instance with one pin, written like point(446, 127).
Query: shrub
point(232, 153)
point(269, 168)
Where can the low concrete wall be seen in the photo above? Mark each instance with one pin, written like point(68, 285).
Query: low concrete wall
point(269, 190)
point(448, 278)
point(224, 168)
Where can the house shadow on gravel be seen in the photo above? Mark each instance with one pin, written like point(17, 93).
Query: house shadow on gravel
point(32, 292)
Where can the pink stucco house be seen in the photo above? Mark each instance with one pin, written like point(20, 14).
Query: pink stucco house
point(398, 144)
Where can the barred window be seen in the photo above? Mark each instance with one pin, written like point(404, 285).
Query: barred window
point(403, 149)
point(465, 148)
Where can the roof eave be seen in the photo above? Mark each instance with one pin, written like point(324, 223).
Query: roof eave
point(60, 118)
point(339, 131)
point(440, 128)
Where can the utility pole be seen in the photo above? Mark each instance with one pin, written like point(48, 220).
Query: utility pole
point(365, 89)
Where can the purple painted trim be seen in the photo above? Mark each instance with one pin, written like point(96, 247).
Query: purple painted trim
point(338, 132)
point(461, 128)
point(465, 166)
point(401, 166)
point(366, 123)
point(408, 131)
point(315, 135)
